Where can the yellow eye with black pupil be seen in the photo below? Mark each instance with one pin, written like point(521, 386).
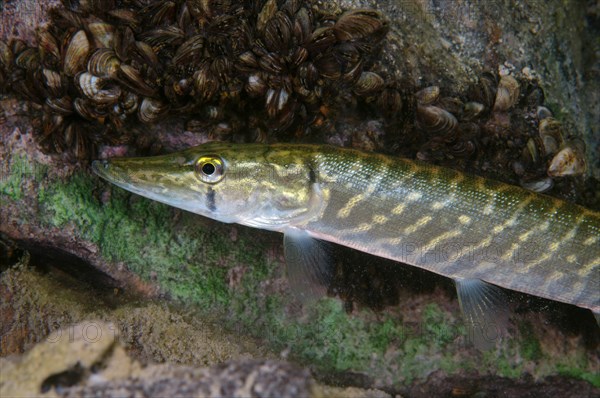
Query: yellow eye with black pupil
point(210, 169)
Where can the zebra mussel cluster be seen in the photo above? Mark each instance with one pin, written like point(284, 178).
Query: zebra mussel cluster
point(101, 65)
point(502, 119)
point(263, 70)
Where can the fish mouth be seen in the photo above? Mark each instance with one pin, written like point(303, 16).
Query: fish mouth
point(108, 171)
point(99, 167)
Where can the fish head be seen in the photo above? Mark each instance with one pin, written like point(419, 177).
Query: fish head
point(256, 185)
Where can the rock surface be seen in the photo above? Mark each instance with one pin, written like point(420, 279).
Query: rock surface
point(88, 360)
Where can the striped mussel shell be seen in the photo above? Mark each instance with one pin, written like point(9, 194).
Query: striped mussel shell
point(368, 84)
point(103, 63)
point(434, 119)
point(102, 34)
point(205, 83)
point(131, 77)
point(53, 82)
point(360, 25)
point(550, 131)
point(87, 109)
point(279, 32)
point(76, 53)
point(428, 95)
point(62, 105)
point(507, 94)
point(94, 88)
point(152, 110)
point(49, 49)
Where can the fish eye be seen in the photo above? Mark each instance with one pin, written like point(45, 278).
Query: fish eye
point(210, 169)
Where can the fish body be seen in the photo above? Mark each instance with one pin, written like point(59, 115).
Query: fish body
point(479, 232)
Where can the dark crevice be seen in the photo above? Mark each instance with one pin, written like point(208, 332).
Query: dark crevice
point(62, 380)
point(68, 268)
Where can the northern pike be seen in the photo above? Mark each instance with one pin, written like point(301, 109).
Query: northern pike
point(482, 233)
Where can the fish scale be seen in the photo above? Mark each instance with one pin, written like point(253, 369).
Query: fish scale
point(481, 233)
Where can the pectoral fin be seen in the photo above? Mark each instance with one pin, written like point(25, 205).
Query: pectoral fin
point(484, 308)
point(309, 264)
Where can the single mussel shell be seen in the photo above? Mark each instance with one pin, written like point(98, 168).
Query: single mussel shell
point(161, 38)
point(125, 16)
point(485, 91)
point(453, 105)
point(205, 83)
point(124, 43)
point(272, 63)
point(299, 55)
point(550, 131)
point(276, 101)
point(369, 83)
point(531, 154)
point(75, 137)
point(351, 75)
point(540, 185)
point(472, 110)
point(129, 103)
point(279, 32)
point(328, 66)
point(52, 82)
point(62, 105)
point(435, 120)
point(361, 24)
point(462, 148)
point(182, 87)
point(103, 63)
point(303, 26)
point(103, 34)
point(88, 84)
point(266, 13)
point(51, 123)
point(64, 18)
point(185, 21)
point(76, 53)
point(144, 54)
point(48, 47)
point(308, 75)
point(428, 95)
point(542, 113)
point(87, 110)
point(569, 161)
point(6, 56)
point(291, 7)
point(17, 46)
point(507, 94)
point(131, 78)
point(171, 90)
point(308, 96)
point(28, 59)
point(347, 54)
point(247, 62)
point(151, 110)
point(321, 40)
point(285, 118)
point(157, 13)
point(256, 86)
point(222, 68)
point(190, 51)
